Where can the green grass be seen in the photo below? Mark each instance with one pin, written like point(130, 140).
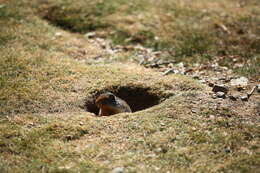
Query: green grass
point(148, 141)
point(38, 73)
point(44, 84)
point(40, 146)
point(187, 30)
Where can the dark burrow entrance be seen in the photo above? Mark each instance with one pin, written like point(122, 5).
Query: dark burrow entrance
point(138, 98)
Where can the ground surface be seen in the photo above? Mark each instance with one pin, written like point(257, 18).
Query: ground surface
point(57, 56)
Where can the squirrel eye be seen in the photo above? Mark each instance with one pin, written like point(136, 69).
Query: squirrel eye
point(111, 96)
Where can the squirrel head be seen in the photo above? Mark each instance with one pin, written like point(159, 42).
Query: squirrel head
point(105, 98)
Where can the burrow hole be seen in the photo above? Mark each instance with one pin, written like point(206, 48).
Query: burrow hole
point(138, 98)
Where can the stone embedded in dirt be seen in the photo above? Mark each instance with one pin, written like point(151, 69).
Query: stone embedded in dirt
point(225, 79)
point(58, 34)
point(251, 91)
point(240, 82)
point(231, 97)
point(188, 70)
point(214, 96)
point(239, 88)
point(170, 71)
point(221, 94)
point(194, 110)
point(211, 84)
point(68, 137)
point(90, 35)
point(211, 116)
point(118, 170)
point(220, 88)
point(196, 76)
point(244, 98)
point(223, 28)
point(181, 65)
point(203, 81)
point(254, 88)
point(258, 88)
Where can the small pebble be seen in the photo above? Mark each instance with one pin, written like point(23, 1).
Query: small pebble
point(221, 94)
point(196, 77)
point(211, 84)
point(90, 35)
point(220, 88)
point(239, 88)
point(214, 96)
point(203, 81)
point(244, 98)
point(242, 82)
point(58, 34)
point(118, 170)
point(232, 98)
point(211, 116)
point(170, 71)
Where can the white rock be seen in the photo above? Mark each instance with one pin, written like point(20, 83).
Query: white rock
point(118, 170)
point(58, 34)
point(242, 82)
point(90, 35)
point(244, 98)
point(220, 94)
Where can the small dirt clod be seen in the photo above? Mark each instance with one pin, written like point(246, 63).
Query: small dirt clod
point(244, 98)
point(231, 97)
point(221, 94)
point(220, 88)
point(118, 170)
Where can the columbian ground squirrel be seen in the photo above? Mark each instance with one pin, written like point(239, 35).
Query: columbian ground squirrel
point(110, 104)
